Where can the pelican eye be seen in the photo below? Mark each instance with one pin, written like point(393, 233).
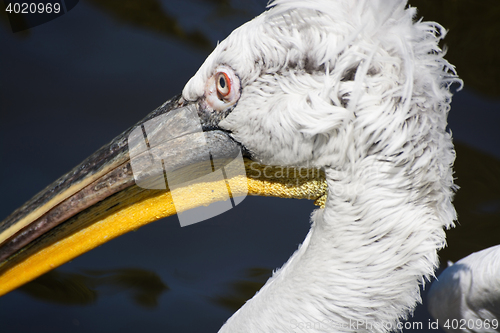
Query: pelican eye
point(223, 85)
point(222, 89)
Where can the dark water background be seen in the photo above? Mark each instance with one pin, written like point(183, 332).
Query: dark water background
point(69, 86)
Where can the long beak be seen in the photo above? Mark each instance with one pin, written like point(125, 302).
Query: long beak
point(153, 170)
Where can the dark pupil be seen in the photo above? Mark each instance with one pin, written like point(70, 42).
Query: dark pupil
point(222, 82)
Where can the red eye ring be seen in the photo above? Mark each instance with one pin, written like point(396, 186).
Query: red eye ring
point(222, 89)
point(223, 85)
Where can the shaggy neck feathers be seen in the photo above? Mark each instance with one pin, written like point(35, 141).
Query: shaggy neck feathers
point(360, 267)
point(355, 87)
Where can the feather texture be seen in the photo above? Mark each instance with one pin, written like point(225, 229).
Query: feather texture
point(466, 296)
point(359, 89)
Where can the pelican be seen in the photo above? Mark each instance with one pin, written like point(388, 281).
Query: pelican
point(465, 296)
point(358, 89)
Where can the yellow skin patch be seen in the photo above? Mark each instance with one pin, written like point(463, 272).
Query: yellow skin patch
point(134, 207)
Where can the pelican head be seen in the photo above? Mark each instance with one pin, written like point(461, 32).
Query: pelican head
point(358, 89)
